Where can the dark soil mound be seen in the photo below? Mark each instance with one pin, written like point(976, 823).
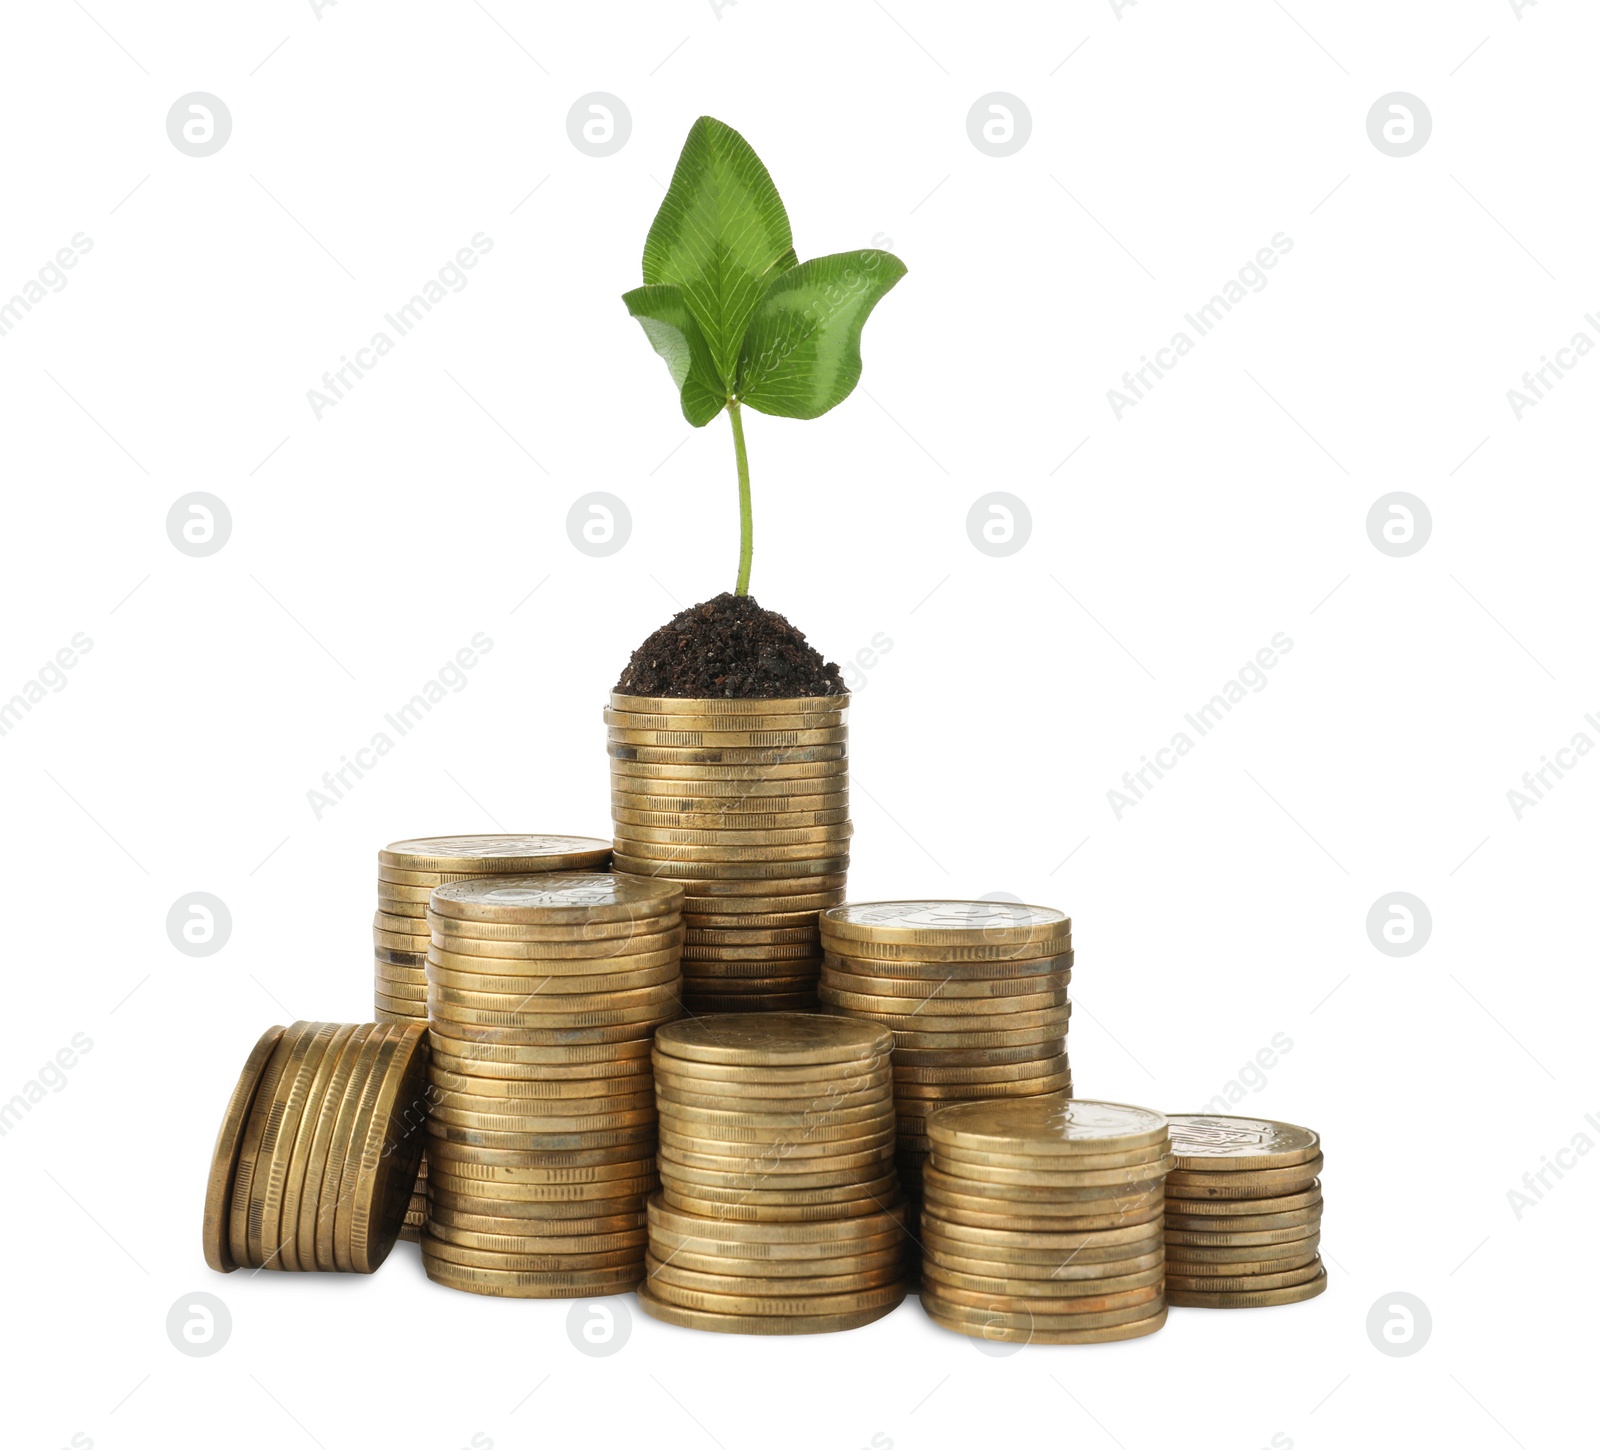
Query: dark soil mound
point(730, 647)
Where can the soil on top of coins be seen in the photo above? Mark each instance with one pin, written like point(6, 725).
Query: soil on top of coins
point(729, 647)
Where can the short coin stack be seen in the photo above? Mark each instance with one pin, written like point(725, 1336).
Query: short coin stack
point(1244, 1213)
point(407, 873)
point(318, 1149)
point(746, 802)
point(778, 1212)
point(1041, 1220)
point(543, 994)
point(974, 991)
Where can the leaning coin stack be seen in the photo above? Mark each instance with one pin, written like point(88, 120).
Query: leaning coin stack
point(1041, 1220)
point(746, 802)
point(543, 994)
point(407, 873)
point(974, 991)
point(778, 1212)
point(1244, 1213)
point(318, 1149)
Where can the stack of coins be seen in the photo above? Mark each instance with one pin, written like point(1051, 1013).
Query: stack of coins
point(974, 991)
point(318, 1149)
point(1244, 1213)
point(407, 872)
point(543, 995)
point(778, 1211)
point(1041, 1220)
point(746, 802)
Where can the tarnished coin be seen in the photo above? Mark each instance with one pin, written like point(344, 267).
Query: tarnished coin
point(1266, 1183)
point(1230, 1208)
point(225, 1155)
point(716, 705)
point(1202, 1239)
point(1206, 1141)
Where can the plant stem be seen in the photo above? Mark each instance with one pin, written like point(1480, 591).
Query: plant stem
point(745, 527)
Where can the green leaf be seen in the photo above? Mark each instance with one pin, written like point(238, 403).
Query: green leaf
point(721, 235)
point(676, 336)
point(802, 354)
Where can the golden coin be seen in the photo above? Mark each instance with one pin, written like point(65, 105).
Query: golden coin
point(1203, 1239)
point(502, 855)
point(1242, 1223)
point(829, 718)
point(450, 1014)
point(1046, 1187)
point(774, 1213)
point(670, 1291)
point(535, 990)
point(833, 1091)
point(273, 1114)
point(490, 1035)
point(776, 1161)
point(874, 1167)
point(528, 1142)
point(841, 1281)
point(718, 705)
point(349, 1202)
point(539, 998)
point(1058, 1295)
point(697, 777)
point(636, 1146)
point(938, 1284)
point(771, 1194)
point(574, 1244)
point(1048, 1047)
point(717, 926)
point(1026, 1329)
point(413, 959)
point(557, 898)
point(845, 1231)
point(800, 935)
point(516, 1093)
point(342, 1149)
point(387, 1168)
point(1252, 1299)
point(1052, 1203)
point(1226, 1283)
point(328, 1110)
point(286, 1175)
point(981, 1074)
point(1204, 1141)
point(984, 994)
point(700, 741)
point(575, 1060)
point(512, 1217)
point(515, 938)
point(928, 1023)
point(745, 838)
point(759, 1077)
point(778, 857)
point(789, 1261)
point(1187, 1183)
point(600, 1196)
point(1047, 1264)
point(1050, 1034)
point(980, 1012)
point(1051, 1126)
point(935, 969)
point(641, 953)
point(576, 1175)
point(981, 1242)
point(1003, 1168)
point(778, 1039)
point(947, 923)
point(703, 893)
point(1226, 1208)
point(536, 1261)
point(688, 1318)
point(225, 1155)
point(632, 817)
point(629, 753)
point(1118, 1214)
point(542, 1114)
point(792, 1144)
point(764, 871)
point(508, 1284)
point(914, 1097)
point(1197, 1254)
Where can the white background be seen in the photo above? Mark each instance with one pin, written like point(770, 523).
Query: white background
point(1168, 145)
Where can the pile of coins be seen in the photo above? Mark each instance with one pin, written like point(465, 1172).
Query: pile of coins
point(778, 1212)
point(407, 873)
point(543, 995)
point(745, 802)
point(318, 1149)
point(1244, 1213)
point(1041, 1220)
point(974, 991)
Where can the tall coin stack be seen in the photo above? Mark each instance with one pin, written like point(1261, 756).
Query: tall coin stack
point(1244, 1213)
point(778, 1212)
point(317, 1154)
point(407, 873)
point(746, 803)
point(1041, 1220)
point(975, 993)
point(543, 994)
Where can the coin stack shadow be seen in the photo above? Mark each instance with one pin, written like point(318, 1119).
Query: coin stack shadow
point(779, 1212)
point(1244, 1213)
point(543, 995)
point(407, 873)
point(975, 993)
point(317, 1154)
point(746, 803)
point(1041, 1221)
